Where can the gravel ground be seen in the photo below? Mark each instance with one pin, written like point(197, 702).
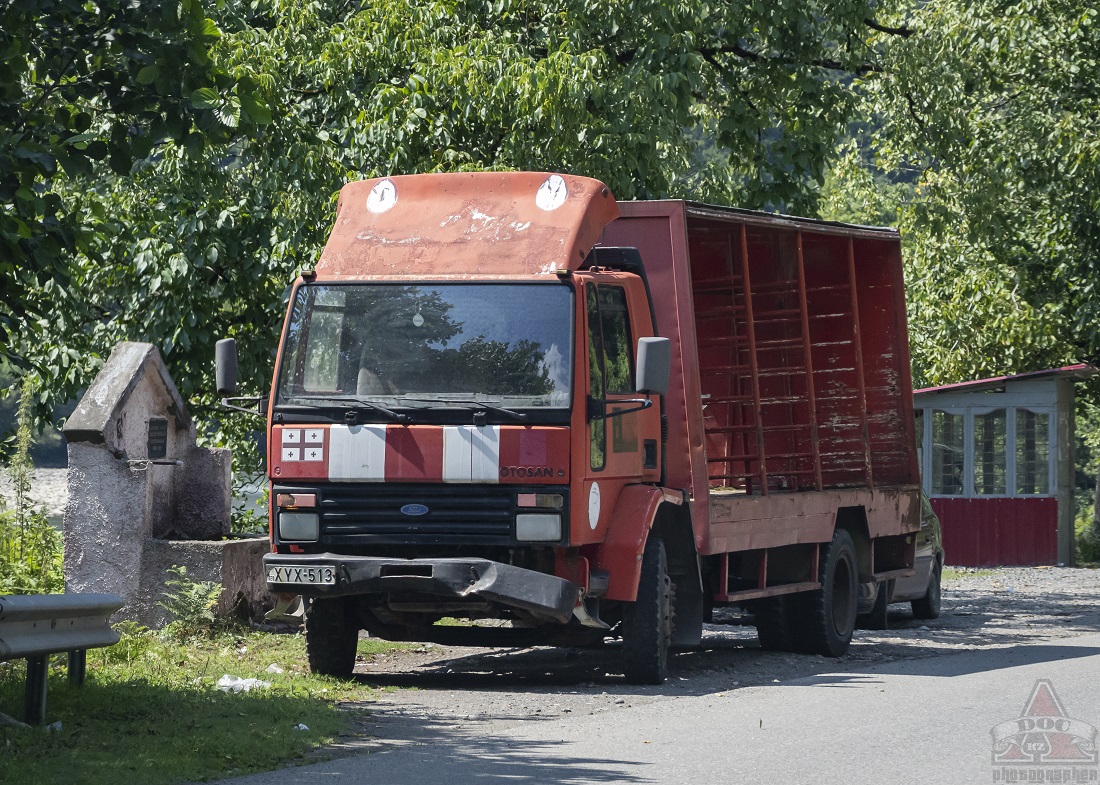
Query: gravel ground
point(435, 689)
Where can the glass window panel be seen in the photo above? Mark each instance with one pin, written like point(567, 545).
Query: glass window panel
point(618, 357)
point(323, 355)
point(1032, 452)
point(990, 453)
point(428, 346)
point(597, 431)
point(948, 450)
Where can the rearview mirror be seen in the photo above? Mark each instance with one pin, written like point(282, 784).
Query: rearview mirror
point(654, 365)
point(225, 367)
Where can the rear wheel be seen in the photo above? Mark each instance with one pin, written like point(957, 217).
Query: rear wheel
point(828, 614)
point(928, 606)
point(647, 622)
point(773, 624)
point(331, 636)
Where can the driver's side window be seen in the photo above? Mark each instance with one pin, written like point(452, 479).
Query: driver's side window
point(610, 363)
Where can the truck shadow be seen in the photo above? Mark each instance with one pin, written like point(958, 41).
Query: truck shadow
point(730, 656)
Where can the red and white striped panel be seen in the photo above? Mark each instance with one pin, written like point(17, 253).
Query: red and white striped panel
point(451, 453)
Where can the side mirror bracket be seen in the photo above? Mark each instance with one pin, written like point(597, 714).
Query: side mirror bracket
point(654, 362)
point(597, 407)
point(225, 375)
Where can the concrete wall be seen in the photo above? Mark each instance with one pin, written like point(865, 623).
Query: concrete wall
point(235, 564)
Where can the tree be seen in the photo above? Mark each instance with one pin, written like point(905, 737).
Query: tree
point(729, 102)
point(985, 131)
point(89, 88)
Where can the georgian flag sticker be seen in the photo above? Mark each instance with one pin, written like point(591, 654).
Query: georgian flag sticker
point(306, 444)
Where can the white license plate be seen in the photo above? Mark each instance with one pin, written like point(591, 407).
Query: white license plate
point(314, 576)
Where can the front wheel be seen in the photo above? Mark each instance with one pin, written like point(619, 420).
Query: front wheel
point(331, 636)
point(647, 622)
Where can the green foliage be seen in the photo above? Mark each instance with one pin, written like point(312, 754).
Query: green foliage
point(250, 515)
point(150, 712)
point(1087, 542)
point(48, 447)
point(191, 604)
point(198, 240)
point(983, 119)
point(495, 367)
point(30, 548)
point(117, 85)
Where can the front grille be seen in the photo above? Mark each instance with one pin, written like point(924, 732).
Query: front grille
point(370, 513)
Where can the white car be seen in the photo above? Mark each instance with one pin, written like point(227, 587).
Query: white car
point(922, 589)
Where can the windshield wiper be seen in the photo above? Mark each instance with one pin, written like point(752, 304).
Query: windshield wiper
point(473, 403)
point(350, 416)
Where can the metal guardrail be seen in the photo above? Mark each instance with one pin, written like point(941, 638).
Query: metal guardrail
point(37, 625)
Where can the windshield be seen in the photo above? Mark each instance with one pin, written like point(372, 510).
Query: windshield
point(431, 345)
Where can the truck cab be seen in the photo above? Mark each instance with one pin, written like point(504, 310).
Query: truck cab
point(449, 436)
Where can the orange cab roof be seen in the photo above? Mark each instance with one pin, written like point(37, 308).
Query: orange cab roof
point(473, 223)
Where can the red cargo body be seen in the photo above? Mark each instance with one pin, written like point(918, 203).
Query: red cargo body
point(777, 469)
point(792, 374)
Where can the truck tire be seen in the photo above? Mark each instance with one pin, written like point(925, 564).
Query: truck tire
point(773, 624)
point(647, 622)
point(331, 637)
point(828, 614)
point(928, 606)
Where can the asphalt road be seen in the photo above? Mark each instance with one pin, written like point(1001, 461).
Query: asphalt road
point(926, 720)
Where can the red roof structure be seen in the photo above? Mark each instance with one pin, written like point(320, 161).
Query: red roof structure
point(997, 464)
point(1078, 371)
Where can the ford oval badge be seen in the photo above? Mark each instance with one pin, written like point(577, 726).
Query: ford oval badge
point(414, 509)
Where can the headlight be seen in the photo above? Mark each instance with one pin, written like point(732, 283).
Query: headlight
point(299, 526)
point(538, 527)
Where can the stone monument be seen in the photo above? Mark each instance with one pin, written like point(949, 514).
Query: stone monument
point(144, 497)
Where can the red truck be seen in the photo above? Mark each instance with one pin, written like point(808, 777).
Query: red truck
point(508, 399)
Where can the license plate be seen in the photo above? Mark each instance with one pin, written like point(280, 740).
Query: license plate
point(310, 576)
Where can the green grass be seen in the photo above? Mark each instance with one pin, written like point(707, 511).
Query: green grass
point(956, 573)
point(150, 712)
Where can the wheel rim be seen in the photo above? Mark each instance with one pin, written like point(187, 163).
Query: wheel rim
point(843, 596)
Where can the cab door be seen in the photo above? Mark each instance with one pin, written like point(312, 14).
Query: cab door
point(618, 445)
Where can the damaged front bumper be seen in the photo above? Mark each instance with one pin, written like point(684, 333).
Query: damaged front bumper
point(333, 575)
